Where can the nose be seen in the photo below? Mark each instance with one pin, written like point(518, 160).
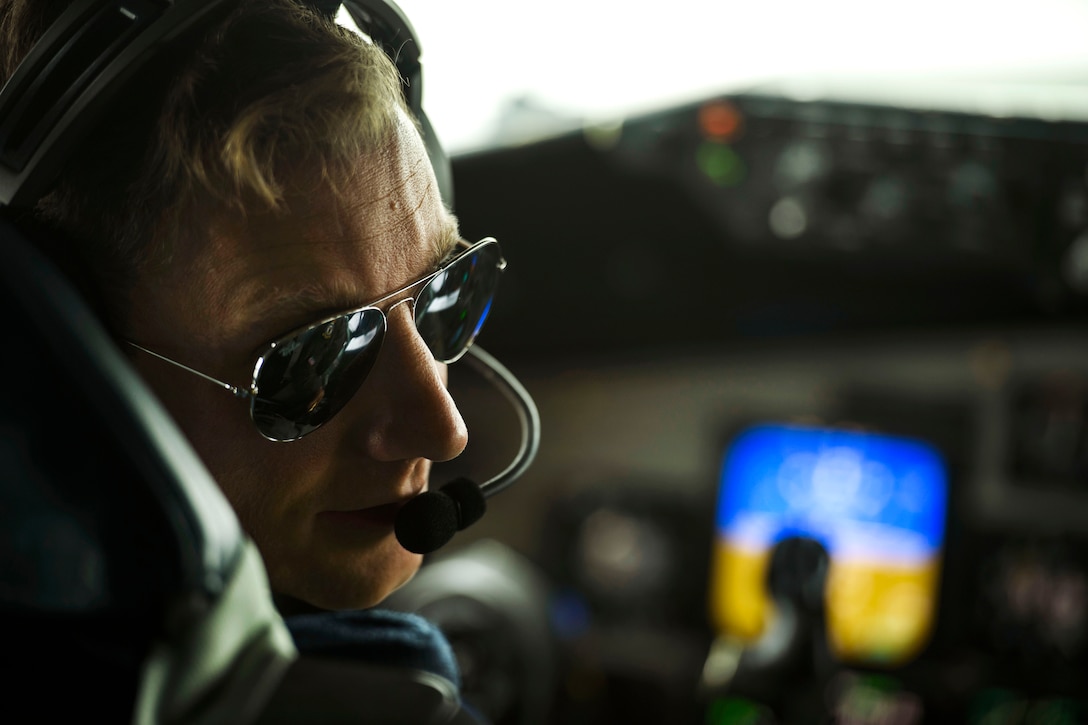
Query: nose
point(411, 413)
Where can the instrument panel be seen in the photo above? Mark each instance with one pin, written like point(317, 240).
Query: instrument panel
point(756, 216)
point(812, 277)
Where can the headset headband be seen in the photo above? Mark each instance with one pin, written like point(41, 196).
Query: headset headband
point(85, 59)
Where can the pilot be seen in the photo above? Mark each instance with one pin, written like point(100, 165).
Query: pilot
point(263, 213)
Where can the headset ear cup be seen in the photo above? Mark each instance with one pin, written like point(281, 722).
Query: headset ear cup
point(387, 25)
point(328, 8)
point(439, 160)
point(76, 104)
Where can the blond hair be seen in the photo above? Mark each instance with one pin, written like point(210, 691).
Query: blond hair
point(272, 98)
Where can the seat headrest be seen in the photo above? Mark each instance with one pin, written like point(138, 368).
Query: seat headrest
point(105, 505)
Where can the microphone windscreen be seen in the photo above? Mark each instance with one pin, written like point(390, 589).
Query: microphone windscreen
point(427, 522)
point(470, 501)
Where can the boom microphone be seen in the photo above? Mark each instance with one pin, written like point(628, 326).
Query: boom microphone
point(430, 520)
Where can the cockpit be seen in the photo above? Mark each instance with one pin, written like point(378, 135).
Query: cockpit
point(820, 316)
point(801, 295)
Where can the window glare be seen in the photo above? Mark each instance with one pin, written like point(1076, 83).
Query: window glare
point(575, 60)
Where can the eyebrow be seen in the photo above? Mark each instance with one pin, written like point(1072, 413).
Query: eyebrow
point(329, 298)
point(448, 239)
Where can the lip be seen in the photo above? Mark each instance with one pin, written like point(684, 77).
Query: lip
point(384, 515)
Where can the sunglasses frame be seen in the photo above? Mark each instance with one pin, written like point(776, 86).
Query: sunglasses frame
point(380, 305)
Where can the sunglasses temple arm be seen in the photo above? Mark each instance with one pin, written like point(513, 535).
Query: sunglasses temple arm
point(512, 389)
point(233, 389)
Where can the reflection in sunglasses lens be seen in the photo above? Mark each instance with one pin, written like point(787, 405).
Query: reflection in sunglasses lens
point(453, 307)
point(308, 378)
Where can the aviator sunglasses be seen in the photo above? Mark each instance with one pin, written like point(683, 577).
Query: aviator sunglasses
point(305, 377)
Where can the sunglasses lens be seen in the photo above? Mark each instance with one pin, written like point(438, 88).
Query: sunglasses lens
point(452, 308)
point(307, 378)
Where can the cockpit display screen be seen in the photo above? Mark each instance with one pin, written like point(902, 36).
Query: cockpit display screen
point(875, 502)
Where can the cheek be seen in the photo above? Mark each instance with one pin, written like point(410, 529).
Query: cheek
point(268, 483)
point(204, 413)
point(186, 403)
point(218, 427)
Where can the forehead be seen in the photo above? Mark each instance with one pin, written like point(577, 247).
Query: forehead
point(333, 248)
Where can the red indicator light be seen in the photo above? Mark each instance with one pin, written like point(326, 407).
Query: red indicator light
point(720, 121)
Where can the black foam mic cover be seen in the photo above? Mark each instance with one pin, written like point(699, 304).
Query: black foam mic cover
point(469, 497)
point(429, 520)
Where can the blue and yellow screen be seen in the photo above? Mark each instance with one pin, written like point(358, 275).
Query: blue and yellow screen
point(877, 503)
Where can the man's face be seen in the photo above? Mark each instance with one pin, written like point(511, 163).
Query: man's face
point(320, 509)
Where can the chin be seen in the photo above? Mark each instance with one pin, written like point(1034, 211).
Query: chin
point(340, 583)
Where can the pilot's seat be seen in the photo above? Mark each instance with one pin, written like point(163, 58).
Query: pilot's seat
point(128, 590)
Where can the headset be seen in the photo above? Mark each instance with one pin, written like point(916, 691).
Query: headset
point(86, 60)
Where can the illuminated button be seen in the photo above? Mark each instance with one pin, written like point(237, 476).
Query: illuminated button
point(621, 554)
point(788, 219)
point(799, 163)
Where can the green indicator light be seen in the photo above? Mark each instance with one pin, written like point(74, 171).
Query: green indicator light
point(720, 164)
point(735, 711)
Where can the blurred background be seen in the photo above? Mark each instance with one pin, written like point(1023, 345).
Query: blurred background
point(801, 292)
